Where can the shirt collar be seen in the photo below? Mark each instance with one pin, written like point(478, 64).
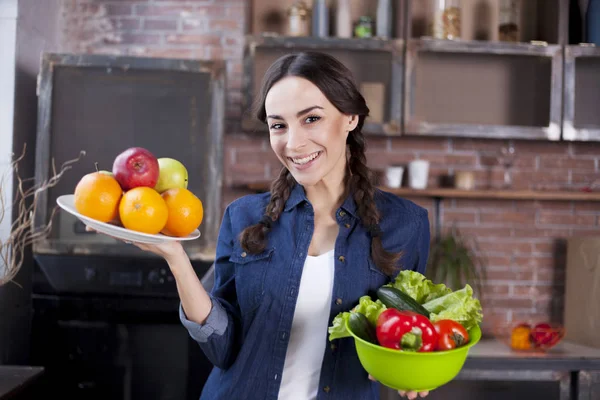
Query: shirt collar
point(298, 196)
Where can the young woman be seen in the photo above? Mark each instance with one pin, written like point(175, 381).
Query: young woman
point(289, 261)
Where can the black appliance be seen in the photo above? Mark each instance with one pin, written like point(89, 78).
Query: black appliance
point(105, 314)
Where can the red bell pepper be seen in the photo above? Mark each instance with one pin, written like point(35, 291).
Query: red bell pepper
point(405, 330)
point(451, 334)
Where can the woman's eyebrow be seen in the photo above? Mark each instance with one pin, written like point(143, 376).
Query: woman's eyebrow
point(298, 114)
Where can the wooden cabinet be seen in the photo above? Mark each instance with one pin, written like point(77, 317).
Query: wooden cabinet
point(537, 88)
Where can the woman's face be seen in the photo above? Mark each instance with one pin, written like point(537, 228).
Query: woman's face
point(308, 134)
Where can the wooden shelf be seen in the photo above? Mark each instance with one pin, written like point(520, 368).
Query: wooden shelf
point(477, 194)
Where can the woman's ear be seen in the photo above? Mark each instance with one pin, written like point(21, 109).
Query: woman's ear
point(352, 122)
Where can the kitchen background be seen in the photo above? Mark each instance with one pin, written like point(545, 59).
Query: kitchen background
point(521, 239)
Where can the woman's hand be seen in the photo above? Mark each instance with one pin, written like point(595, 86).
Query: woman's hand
point(410, 395)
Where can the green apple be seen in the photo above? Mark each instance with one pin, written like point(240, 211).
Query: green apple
point(105, 172)
point(172, 174)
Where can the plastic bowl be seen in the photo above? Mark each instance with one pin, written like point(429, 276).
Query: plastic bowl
point(407, 370)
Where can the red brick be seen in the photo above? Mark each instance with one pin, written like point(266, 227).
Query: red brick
point(195, 24)
point(493, 160)
point(550, 218)
point(498, 205)
point(164, 10)
point(204, 40)
point(584, 178)
point(512, 303)
point(449, 160)
point(381, 159)
point(377, 143)
point(480, 232)
point(535, 261)
point(506, 217)
point(532, 206)
point(419, 144)
point(585, 206)
point(582, 231)
point(250, 157)
point(501, 246)
point(222, 53)
point(566, 162)
point(450, 217)
point(477, 145)
point(135, 38)
point(182, 53)
point(160, 24)
point(126, 23)
point(247, 142)
point(115, 10)
point(496, 290)
point(534, 233)
point(544, 247)
point(541, 147)
point(588, 148)
point(225, 25)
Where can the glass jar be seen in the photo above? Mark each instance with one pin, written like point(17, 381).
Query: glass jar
point(509, 14)
point(298, 19)
point(446, 19)
point(364, 27)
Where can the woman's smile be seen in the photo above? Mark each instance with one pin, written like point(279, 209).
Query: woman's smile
point(305, 161)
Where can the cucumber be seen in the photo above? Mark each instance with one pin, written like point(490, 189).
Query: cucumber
point(360, 326)
point(395, 298)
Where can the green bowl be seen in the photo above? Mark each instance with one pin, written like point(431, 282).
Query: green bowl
point(406, 370)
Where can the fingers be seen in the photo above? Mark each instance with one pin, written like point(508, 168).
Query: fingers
point(89, 229)
point(372, 379)
point(412, 395)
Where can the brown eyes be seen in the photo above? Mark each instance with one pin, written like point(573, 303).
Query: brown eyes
point(308, 120)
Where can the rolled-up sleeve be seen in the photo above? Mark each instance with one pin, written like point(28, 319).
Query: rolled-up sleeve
point(216, 323)
point(219, 336)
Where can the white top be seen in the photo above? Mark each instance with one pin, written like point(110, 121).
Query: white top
point(308, 338)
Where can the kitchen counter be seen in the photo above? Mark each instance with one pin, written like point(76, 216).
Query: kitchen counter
point(16, 379)
point(576, 368)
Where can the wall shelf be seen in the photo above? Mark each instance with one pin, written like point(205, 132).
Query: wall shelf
point(581, 119)
point(491, 194)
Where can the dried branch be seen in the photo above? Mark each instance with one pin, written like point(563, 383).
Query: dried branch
point(23, 233)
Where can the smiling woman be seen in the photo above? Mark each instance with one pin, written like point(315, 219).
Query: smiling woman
point(289, 260)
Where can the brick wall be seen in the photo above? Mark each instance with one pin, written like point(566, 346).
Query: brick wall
point(522, 241)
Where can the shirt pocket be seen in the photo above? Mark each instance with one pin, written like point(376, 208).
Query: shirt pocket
point(250, 271)
point(376, 277)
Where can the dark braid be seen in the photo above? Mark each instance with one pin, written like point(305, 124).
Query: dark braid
point(360, 183)
point(253, 238)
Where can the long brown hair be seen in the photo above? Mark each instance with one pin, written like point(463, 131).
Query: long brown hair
point(336, 83)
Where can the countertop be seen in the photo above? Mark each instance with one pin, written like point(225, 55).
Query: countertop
point(14, 378)
point(492, 353)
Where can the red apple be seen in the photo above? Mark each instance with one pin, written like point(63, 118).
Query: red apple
point(136, 167)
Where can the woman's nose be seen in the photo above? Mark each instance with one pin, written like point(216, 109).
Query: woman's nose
point(296, 139)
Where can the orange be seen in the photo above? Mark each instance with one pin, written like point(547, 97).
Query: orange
point(97, 196)
point(143, 210)
point(185, 212)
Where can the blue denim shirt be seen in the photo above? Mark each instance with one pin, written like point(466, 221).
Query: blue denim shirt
point(254, 296)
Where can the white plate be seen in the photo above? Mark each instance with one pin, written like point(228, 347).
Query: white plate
point(66, 202)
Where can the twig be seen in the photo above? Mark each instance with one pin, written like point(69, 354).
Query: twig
point(23, 233)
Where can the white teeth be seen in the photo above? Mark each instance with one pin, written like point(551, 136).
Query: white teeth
point(304, 160)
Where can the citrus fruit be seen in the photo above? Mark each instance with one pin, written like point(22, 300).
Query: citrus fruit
point(143, 210)
point(185, 212)
point(97, 196)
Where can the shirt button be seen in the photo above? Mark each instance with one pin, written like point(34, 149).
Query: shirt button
point(347, 225)
point(333, 347)
point(338, 301)
point(244, 254)
point(342, 258)
point(342, 213)
point(276, 376)
point(326, 389)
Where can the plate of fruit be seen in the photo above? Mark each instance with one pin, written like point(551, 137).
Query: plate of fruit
point(143, 199)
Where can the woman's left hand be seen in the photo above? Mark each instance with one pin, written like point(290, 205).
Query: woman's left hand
point(409, 395)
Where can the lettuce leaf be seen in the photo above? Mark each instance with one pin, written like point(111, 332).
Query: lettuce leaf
point(366, 306)
point(459, 306)
point(418, 287)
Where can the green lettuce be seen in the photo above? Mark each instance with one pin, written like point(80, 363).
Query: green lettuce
point(418, 287)
point(459, 306)
point(366, 306)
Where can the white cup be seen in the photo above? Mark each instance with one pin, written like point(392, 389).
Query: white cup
point(393, 176)
point(418, 174)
